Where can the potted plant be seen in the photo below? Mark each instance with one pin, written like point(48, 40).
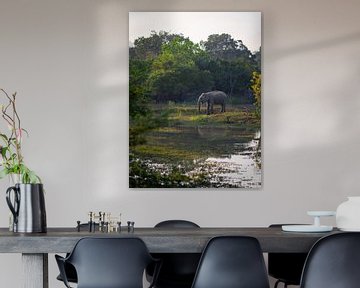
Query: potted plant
point(11, 158)
point(26, 198)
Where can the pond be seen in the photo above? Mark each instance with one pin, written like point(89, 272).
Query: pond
point(230, 157)
point(241, 169)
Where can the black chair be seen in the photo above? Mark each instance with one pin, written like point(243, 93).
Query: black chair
point(286, 267)
point(232, 262)
point(108, 263)
point(176, 224)
point(178, 269)
point(333, 262)
point(69, 269)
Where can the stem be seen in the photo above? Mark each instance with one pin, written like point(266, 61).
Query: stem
point(15, 124)
point(17, 139)
point(7, 117)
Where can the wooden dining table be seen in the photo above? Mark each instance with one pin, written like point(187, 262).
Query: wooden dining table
point(35, 247)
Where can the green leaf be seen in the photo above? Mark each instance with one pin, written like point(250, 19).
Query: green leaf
point(3, 151)
point(3, 173)
point(27, 175)
point(26, 132)
point(34, 178)
point(4, 137)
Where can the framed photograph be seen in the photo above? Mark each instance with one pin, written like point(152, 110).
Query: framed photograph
point(195, 100)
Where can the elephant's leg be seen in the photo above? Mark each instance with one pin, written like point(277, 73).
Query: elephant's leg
point(212, 108)
point(223, 107)
point(208, 108)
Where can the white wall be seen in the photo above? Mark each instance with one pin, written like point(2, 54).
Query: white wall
point(68, 61)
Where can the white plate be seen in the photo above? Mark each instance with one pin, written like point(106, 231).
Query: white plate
point(306, 228)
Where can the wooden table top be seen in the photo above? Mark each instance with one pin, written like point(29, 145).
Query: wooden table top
point(158, 240)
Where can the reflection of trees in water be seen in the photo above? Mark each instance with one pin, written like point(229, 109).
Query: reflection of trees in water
point(241, 169)
point(235, 159)
point(207, 141)
point(208, 133)
point(257, 154)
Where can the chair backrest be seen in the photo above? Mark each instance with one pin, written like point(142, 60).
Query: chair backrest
point(232, 262)
point(333, 262)
point(176, 224)
point(178, 269)
point(110, 262)
point(286, 267)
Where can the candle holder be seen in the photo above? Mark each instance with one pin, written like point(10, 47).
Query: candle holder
point(315, 227)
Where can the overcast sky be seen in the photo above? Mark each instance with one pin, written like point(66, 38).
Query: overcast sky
point(245, 26)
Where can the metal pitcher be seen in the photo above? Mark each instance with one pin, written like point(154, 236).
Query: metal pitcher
point(27, 207)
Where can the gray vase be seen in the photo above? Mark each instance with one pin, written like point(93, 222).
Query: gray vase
point(27, 204)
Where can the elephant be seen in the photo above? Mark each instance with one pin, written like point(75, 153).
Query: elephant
point(211, 98)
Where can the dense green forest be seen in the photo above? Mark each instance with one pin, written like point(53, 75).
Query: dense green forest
point(167, 73)
point(170, 67)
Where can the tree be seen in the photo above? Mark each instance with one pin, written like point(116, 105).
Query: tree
point(257, 59)
point(141, 58)
point(221, 46)
point(175, 75)
point(232, 64)
point(150, 47)
point(256, 89)
point(138, 90)
point(142, 118)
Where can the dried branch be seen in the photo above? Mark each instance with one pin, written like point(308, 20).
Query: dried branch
point(11, 156)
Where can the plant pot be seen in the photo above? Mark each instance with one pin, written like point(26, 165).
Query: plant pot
point(27, 207)
point(14, 179)
point(348, 214)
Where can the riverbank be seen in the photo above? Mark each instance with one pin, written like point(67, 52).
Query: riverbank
point(190, 139)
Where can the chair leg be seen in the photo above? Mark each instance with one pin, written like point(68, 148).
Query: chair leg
point(278, 282)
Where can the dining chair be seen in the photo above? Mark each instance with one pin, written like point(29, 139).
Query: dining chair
point(178, 269)
point(108, 263)
point(333, 262)
point(286, 267)
point(232, 262)
point(69, 269)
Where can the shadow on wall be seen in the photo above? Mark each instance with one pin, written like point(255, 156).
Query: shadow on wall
point(323, 44)
point(314, 114)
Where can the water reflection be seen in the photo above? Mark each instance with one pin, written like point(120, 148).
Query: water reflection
point(230, 157)
point(242, 169)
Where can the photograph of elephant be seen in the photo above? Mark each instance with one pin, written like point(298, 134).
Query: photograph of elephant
point(195, 100)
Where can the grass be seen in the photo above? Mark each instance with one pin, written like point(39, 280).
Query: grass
point(211, 133)
point(166, 153)
point(187, 115)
